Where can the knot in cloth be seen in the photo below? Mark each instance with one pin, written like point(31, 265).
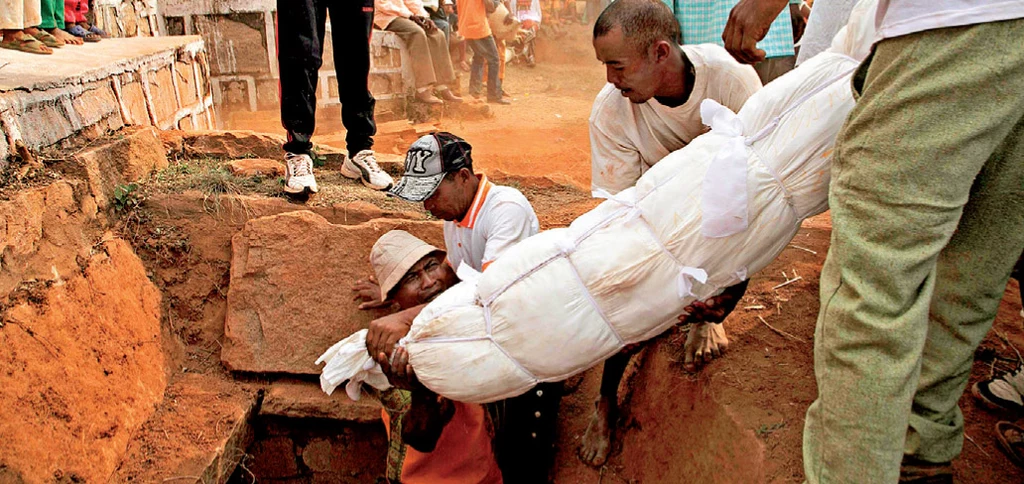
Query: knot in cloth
point(626, 198)
point(723, 200)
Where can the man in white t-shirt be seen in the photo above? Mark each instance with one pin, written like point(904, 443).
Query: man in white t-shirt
point(650, 108)
point(481, 221)
point(927, 202)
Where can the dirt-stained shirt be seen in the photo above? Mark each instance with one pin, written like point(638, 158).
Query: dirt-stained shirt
point(626, 139)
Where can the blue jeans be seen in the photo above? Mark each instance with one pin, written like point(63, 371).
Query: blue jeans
point(484, 50)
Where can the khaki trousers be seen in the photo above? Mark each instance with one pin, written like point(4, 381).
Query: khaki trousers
point(927, 201)
point(431, 62)
point(19, 14)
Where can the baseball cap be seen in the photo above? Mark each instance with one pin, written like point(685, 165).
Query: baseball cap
point(393, 255)
point(428, 160)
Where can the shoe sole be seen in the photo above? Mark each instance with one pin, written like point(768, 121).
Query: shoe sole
point(985, 402)
point(362, 176)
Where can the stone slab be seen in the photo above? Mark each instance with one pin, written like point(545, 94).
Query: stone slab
point(305, 399)
point(77, 65)
point(290, 293)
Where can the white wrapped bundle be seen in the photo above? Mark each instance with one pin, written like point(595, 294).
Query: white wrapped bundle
point(700, 220)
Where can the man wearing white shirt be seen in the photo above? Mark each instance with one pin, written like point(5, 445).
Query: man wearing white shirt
point(650, 108)
point(926, 197)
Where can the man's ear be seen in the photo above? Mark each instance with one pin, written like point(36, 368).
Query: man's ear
point(661, 50)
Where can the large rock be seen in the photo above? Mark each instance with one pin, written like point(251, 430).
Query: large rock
point(290, 293)
point(129, 159)
point(81, 368)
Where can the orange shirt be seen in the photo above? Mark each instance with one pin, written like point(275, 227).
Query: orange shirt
point(473, 20)
point(463, 454)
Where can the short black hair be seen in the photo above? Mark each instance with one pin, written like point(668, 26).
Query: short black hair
point(643, 22)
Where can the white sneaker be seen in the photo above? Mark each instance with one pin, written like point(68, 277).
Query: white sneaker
point(364, 167)
point(298, 174)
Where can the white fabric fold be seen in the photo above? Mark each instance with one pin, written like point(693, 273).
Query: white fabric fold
point(348, 360)
point(723, 201)
point(684, 283)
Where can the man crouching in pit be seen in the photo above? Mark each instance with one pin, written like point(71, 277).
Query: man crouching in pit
point(430, 439)
point(482, 220)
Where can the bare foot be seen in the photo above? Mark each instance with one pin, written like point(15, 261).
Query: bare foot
point(597, 441)
point(66, 37)
point(705, 342)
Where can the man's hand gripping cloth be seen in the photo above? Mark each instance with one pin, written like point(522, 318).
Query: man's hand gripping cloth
point(566, 299)
point(349, 361)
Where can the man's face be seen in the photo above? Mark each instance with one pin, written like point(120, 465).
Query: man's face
point(634, 73)
point(427, 279)
point(452, 198)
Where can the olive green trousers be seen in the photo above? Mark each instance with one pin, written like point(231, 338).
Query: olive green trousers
point(927, 201)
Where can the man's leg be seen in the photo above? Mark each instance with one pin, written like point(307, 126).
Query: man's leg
point(489, 52)
point(415, 39)
point(351, 26)
point(935, 107)
point(971, 280)
point(597, 441)
point(441, 59)
point(525, 439)
point(300, 34)
point(476, 70)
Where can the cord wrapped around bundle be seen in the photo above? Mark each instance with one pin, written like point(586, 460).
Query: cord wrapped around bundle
point(700, 220)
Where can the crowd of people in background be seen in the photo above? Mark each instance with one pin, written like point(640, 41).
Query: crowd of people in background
point(39, 26)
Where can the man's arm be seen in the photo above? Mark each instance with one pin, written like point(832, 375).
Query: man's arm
point(748, 23)
point(385, 332)
point(717, 308)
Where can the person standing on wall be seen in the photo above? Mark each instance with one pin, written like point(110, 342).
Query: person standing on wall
point(300, 43)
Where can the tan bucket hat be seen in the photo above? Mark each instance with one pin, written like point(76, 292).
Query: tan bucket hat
point(393, 255)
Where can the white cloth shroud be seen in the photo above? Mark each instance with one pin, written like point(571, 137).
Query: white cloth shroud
point(566, 299)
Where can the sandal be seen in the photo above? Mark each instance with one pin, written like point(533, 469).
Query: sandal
point(98, 31)
point(78, 31)
point(26, 44)
point(1011, 439)
point(48, 39)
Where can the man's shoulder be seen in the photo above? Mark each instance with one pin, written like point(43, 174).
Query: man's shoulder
point(713, 56)
point(503, 193)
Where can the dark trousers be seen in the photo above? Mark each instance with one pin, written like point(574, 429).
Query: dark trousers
point(525, 431)
point(300, 43)
point(484, 50)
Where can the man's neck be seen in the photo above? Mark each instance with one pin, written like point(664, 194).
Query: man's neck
point(474, 186)
point(680, 86)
